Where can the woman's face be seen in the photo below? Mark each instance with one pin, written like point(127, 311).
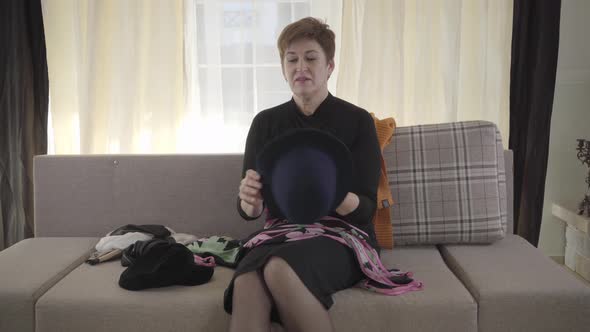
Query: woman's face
point(306, 68)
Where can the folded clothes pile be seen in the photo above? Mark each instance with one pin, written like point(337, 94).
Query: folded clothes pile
point(112, 245)
point(155, 256)
point(160, 263)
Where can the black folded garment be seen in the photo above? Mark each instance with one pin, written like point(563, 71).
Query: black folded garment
point(158, 231)
point(159, 263)
point(140, 248)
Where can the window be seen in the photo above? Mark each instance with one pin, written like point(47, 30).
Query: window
point(239, 69)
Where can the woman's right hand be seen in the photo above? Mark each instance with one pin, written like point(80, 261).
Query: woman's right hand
point(250, 193)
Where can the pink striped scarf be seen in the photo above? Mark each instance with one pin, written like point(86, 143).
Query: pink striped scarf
point(378, 279)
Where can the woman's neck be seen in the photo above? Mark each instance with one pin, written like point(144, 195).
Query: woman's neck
point(308, 105)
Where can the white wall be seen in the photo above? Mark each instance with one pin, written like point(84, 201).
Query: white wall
point(570, 120)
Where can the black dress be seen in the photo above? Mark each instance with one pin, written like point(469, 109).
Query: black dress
point(323, 265)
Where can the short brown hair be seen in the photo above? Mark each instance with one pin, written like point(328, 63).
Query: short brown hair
point(308, 28)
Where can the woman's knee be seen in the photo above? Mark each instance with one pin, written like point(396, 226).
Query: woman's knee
point(252, 286)
point(277, 272)
point(246, 279)
point(250, 282)
point(251, 304)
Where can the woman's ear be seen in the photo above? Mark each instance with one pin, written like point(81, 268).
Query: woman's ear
point(331, 66)
point(283, 71)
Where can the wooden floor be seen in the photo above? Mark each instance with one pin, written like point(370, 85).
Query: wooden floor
point(560, 260)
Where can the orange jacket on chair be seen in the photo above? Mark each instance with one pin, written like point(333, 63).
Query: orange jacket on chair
point(382, 219)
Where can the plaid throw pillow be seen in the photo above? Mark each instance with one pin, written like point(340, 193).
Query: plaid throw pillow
point(448, 183)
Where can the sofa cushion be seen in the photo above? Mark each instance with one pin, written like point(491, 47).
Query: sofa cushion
point(448, 183)
point(89, 299)
point(192, 194)
point(518, 288)
point(29, 269)
point(443, 305)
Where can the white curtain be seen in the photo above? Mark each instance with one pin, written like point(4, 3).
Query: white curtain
point(115, 73)
point(188, 76)
point(175, 76)
point(425, 61)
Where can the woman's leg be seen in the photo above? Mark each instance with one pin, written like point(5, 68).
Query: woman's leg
point(251, 304)
point(299, 309)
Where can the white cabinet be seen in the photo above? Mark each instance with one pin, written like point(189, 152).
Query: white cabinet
point(577, 239)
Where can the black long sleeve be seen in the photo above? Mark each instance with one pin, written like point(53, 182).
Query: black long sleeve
point(366, 157)
point(252, 145)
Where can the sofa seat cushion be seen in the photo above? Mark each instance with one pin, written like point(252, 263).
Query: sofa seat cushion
point(443, 305)
point(29, 269)
point(518, 288)
point(89, 299)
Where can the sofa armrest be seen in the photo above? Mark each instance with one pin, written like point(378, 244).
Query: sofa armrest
point(29, 269)
point(517, 288)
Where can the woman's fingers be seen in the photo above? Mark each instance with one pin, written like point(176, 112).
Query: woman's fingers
point(252, 200)
point(252, 174)
point(250, 188)
point(251, 191)
point(247, 183)
point(253, 184)
point(252, 179)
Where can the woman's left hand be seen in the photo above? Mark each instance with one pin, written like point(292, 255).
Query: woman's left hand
point(349, 204)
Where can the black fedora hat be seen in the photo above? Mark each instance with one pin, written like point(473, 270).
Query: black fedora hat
point(306, 173)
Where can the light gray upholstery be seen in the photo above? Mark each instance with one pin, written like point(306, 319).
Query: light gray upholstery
point(195, 194)
point(31, 267)
point(518, 288)
point(89, 299)
point(443, 305)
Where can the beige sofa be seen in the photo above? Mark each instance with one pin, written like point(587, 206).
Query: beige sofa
point(45, 286)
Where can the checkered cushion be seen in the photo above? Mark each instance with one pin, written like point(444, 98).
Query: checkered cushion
point(448, 183)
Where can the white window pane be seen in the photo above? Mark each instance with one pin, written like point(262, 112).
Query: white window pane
point(203, 90)
point(283, 14)
point(268, 28)
point(201, 41)
point(270, 79)
point(238, 94)
point(271, 99)
point(272, 88)
point(235, 39)
point(301, 10)
point(236, 53)
point(236, 32)
point(267, 53)
point(210, 88)
point(238, 14)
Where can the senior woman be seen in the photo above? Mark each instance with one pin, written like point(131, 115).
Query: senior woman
point(293, 282)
